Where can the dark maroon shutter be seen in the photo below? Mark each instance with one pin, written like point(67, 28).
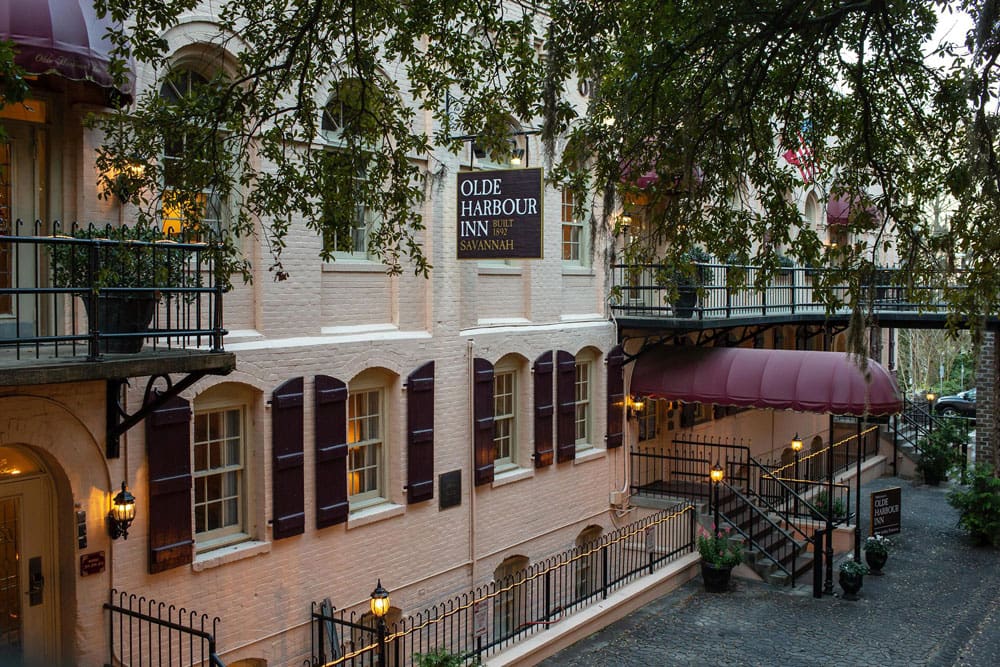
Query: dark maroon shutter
point(482, 419)
point(566, 400)
point(331, 451)
point(687, 414)
point(420, 434)
point(616, 398)
point(288, 515)
point(542, 371)
point(168, 450)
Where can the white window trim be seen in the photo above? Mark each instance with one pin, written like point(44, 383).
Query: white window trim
point(225, 537)
point(508, 462)
point(583, 245)
point(586, 442)
point(367, 499)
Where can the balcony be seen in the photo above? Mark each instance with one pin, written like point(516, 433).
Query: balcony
point(63, 300)
point(641, 298)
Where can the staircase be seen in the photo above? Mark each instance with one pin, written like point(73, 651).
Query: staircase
point(774, 550)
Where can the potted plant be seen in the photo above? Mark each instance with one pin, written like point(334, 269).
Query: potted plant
point(939, 454)
point(692, 275)
point(837, 512)
point(876, 548)
point(118, 273)
point(852, 577)
point(719, 555)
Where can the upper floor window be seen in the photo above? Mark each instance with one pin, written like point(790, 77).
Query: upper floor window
point(346, 226)
point(187, 203)
point(573, 240)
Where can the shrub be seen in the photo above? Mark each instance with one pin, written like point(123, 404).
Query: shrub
point(978, 505)
point(439, 658)
point(939, 452)
point(719, 550)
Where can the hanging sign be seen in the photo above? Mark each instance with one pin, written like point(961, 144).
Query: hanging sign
point(500, 214)
point(886, 506)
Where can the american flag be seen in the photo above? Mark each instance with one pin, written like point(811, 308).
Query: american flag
point(802, 157)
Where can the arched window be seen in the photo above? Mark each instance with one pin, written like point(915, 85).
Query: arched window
point(587, 571)
point(188, 202)
point(351, 126)
point(508, 612)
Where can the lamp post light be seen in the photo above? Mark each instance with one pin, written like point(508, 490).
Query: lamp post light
point(716, 474)
point(930, 410)
point(379, 604)
point(796, 447)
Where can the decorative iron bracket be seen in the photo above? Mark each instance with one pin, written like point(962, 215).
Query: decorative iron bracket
point(119, 421)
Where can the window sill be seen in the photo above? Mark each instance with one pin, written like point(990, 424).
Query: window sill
point(590, 453)
point(374, 514)
point(497, 270)
point(223, 555)
point(512, 475)
point(577, 270)
point(346, 265)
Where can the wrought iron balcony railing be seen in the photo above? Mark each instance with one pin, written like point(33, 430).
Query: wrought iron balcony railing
point(645, 291)
point(85, 293)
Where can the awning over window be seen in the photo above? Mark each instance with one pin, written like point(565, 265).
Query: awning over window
point(826, 382)
point(62, 37)
point(840, 208)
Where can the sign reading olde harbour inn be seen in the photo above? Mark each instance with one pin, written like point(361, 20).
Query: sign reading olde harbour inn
point(500, 214)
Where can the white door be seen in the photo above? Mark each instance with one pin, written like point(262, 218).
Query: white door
point(28, 619)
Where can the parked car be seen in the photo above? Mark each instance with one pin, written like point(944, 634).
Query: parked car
point(962, 404)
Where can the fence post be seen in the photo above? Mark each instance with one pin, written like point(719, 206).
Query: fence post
point(818, 563)
point(548, 594)
point(93, 298)
point(604, 572)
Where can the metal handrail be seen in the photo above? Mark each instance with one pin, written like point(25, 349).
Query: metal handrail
point(755, 510)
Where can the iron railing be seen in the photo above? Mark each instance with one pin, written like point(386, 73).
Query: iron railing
point(147, 633)
point(682, 469)
point(61, 295)
point(646, 290)
point(492, 617)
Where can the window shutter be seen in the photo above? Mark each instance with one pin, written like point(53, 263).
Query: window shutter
point(542, 371)
point(331, 451)
point(482, 416)
point(168, 450)
point(616, 398)
point(687, 414)
point(288, 516)
point(420, 434)
point(566, 399)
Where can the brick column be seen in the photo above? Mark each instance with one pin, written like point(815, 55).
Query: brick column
point(987, 433)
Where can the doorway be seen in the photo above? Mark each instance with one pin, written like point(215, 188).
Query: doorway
point(29, 633)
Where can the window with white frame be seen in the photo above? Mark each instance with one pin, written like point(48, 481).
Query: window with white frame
point(354, 108)
point(582, 393)
point(181, 209)
point(648, 420)
point(504, 418)
point(366, 448)
point(220, 479)
point(573, 241)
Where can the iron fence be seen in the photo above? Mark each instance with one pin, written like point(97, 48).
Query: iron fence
point(67, 292)
point(147, 633)
point(682, 469)
point(494, 616)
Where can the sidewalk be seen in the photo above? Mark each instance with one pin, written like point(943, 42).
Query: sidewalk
point(938, 604)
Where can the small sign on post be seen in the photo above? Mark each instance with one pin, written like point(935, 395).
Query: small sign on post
point(886, 511)
point(480, 618)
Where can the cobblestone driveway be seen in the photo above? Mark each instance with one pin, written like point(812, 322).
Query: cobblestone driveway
point(936, 605)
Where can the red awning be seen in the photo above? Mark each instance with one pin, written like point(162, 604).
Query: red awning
point(62, 37)
point(826, 382)
point(840, 208)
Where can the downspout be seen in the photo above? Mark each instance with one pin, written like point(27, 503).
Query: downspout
point(472, 468)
